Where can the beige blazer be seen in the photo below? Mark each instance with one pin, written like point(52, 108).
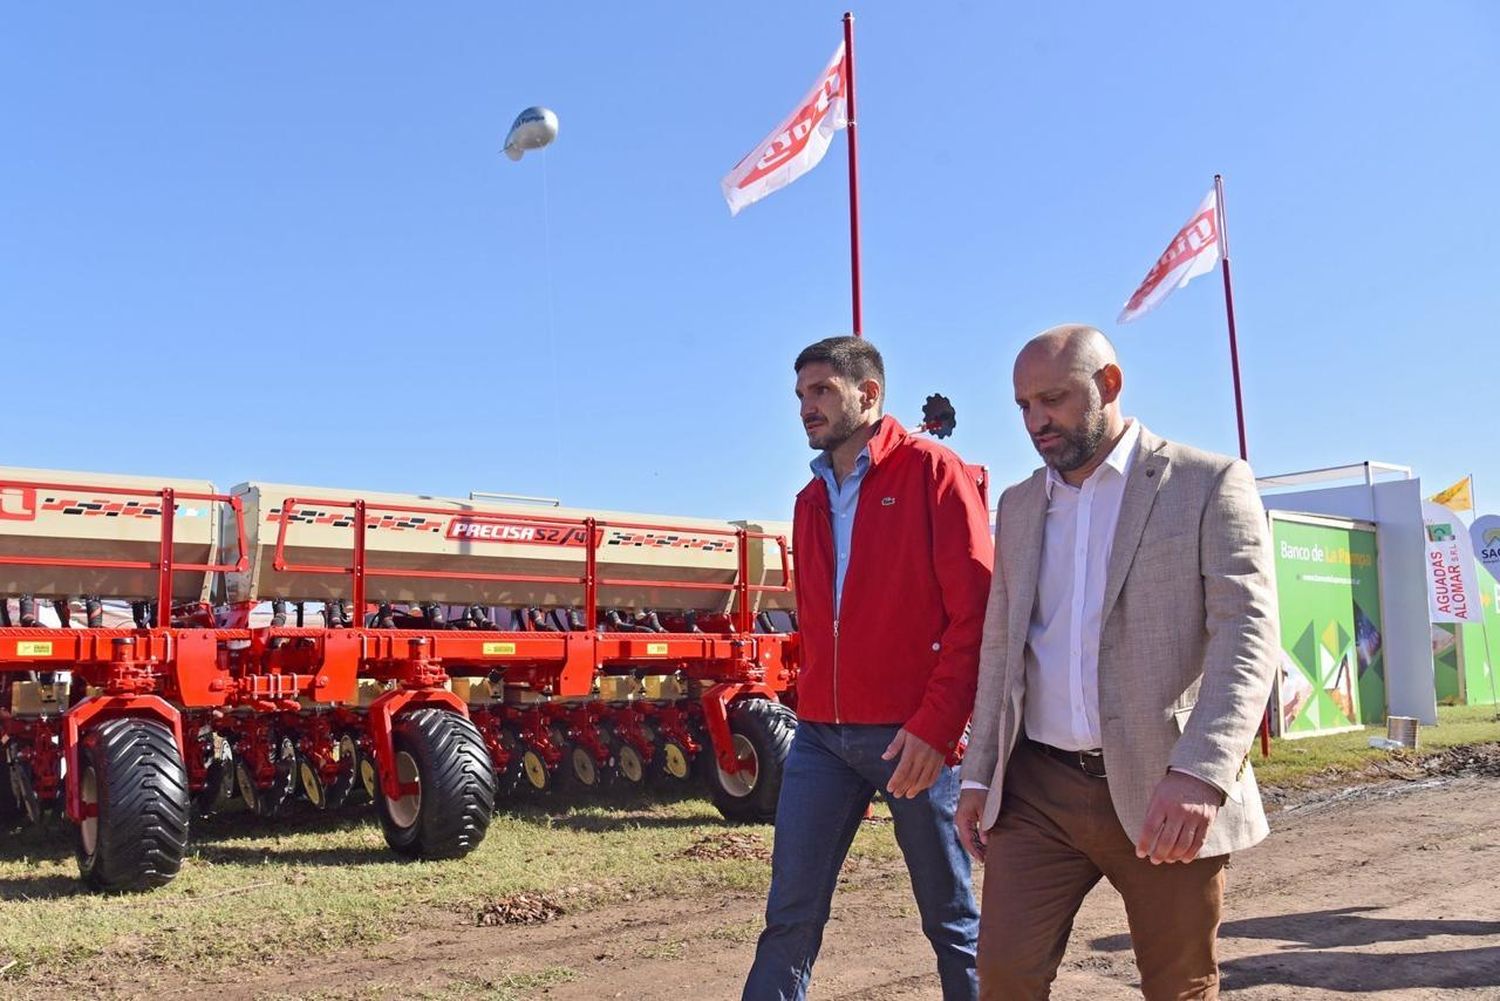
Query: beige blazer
point(1188, 645)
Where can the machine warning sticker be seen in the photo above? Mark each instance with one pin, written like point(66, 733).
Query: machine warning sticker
point(31, 648)
point(656, 649)
point(471, 529)
point(499, 649)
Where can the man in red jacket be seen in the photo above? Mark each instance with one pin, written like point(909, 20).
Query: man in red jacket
point(893, 558)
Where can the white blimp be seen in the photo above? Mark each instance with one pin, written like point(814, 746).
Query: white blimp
point(532, 129)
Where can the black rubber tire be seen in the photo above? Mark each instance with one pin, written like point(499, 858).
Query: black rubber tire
point(368, 776)
point(23, 791)
point(218, 787)
point(768, 728)
point(670, 753)
point(141, 786)
point(272, 800)
point(457, 786)
point(624, 760)
point(538, 779)
point(510, 781)
point(10, 807)
point(342, 789)
point(580, 771)
point(310, 783)
point(630, 768)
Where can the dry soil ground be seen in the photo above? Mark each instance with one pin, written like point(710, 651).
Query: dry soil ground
point(1387, 891)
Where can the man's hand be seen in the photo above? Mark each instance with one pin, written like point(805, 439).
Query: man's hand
point(969, 819)
point(1177, 821)
point(920, 766)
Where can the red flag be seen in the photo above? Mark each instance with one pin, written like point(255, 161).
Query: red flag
point(796, 145)
point(1193, 251)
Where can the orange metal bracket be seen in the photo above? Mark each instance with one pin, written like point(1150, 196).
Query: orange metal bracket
point(97, 709)
point(716, 716)
point(383, 712)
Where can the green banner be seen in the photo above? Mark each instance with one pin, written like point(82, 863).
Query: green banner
point(1447, 666)
point(1328, 592)
point(1483, 685)
point(1465, 658)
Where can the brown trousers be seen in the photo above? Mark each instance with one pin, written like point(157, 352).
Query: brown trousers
point(1057, 834)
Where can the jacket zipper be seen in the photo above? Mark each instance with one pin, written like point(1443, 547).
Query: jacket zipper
point(836, 671)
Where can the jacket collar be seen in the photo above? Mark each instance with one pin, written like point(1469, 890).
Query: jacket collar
point(1120, 458)
point(1144, 476)
point(1149, 469)
point(888, 436)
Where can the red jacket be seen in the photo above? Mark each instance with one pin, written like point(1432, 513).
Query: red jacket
point(906, 647)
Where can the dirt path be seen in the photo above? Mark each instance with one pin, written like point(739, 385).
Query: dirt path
point(1388, 891)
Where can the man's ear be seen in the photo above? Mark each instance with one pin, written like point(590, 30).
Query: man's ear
point(870, 393)
point(1111, 381)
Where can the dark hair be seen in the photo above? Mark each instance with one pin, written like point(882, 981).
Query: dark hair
point(853, 358)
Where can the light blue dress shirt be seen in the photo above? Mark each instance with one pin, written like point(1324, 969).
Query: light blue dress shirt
point(842, 503)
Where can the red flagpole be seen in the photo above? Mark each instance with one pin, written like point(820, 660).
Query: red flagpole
point(1234, 349)
point(854, 172)
point(1239, 400)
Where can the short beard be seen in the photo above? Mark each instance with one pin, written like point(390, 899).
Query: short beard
point(839, 431)
point(1081, 445)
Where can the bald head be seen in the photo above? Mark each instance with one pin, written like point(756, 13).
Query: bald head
point(1071, 347)
point(1068, 384)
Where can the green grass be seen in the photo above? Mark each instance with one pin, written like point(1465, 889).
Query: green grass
point(256, 892)
point(1320, 760)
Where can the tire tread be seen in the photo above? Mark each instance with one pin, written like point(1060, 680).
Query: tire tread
point(144, 806)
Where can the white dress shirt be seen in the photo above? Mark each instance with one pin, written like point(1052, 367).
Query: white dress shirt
point(1061, 705)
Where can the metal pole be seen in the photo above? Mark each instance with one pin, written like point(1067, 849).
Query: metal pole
point(591, 575)
point(1234, 350)
point(1239, 400)
point(359, 564)
point(853, 172)
point(168, 551)
point(744, 621)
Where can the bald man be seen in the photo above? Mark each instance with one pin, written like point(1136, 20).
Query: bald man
point(1129, 645)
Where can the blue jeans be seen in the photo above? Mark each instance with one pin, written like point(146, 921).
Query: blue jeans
point(831, 774)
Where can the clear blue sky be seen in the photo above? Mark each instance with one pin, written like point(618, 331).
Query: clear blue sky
point(278, 241)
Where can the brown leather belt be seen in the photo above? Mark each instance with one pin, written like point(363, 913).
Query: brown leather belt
point(1091, 763)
